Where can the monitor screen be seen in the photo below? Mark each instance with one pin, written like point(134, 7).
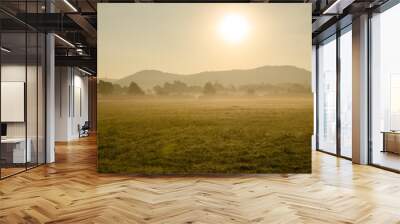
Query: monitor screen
point(3, 129)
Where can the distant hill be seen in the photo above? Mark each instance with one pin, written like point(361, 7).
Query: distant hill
point(147, 79)
point(109, 80)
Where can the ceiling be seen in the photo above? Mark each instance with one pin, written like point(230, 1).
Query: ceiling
point(75, 21)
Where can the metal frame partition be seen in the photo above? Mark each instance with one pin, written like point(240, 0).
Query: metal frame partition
point(37, 47)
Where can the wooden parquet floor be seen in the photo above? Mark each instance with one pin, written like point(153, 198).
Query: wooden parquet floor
point(70, 191)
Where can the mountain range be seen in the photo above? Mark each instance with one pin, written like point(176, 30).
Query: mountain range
point(147, 79)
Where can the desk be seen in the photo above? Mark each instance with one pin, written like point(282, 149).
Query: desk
point(15, 148)
point(391, 141)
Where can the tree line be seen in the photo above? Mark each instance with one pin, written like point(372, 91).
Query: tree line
point(108, 88)
point(209, 88)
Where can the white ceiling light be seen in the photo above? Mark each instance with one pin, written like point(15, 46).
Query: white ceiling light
point(5, 50)
point(70, 5)
point(79, 51)
point(65, 41)
point(84, 71)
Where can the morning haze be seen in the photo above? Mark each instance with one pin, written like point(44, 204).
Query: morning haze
point(204, 88)
point(194, 38)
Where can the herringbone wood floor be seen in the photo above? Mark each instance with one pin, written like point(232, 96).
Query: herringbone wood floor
point(70, 191)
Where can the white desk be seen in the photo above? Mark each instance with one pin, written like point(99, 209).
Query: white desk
point(391, 141)
point(19, 155)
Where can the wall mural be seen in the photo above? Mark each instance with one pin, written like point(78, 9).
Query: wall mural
point(204, 88)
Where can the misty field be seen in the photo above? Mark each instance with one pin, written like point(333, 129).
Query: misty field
point(156, 135)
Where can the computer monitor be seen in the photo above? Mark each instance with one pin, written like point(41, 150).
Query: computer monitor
point(3, 129)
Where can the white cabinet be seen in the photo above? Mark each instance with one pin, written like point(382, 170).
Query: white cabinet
point(19, 155)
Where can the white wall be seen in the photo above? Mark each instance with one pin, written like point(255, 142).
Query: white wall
point(80, 109)
point(62, 82)
point(13, 72)
point(71, 94)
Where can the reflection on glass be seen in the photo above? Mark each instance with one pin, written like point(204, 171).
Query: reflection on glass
point(22, 93)
point(327, 96)
point(346, 94)
point(14, 150)
point(385, 114)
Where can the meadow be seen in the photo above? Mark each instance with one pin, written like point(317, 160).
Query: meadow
point(231, 135)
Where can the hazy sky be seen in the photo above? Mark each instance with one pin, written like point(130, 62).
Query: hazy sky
point(191, 38)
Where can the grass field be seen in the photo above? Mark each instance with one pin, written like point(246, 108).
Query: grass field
point(151, 135)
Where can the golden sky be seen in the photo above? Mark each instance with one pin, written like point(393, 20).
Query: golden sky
point(191, 38)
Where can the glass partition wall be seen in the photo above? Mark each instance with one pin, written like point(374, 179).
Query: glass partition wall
point(385, 89)
point(22, 98)
point(334, 105)
point(13, 89)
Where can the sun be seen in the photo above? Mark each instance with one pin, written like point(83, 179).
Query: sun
point(233, 28)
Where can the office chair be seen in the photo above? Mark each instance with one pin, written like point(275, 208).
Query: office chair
point(84, 130)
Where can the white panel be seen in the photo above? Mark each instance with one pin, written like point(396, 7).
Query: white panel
point(12, 101)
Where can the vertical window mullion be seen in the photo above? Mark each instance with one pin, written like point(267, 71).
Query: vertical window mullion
point(338, 80)
point(37, 90)
point(0, 93)
point(369, 90)
point(26, 86)
point(317, 96)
